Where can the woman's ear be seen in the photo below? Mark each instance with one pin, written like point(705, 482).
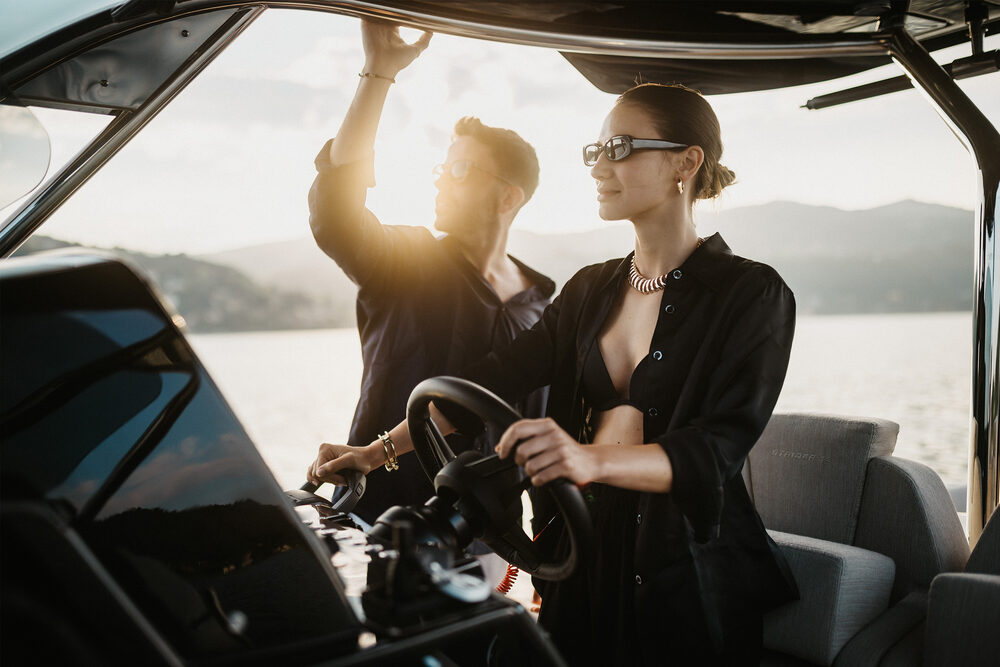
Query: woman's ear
point(691, 160)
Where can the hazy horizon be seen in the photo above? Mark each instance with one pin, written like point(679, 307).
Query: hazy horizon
point(306, 235)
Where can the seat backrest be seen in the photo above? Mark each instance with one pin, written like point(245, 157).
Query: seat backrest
point(806, 473)
point(907, 514)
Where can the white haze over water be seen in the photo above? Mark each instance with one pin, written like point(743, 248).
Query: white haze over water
point(295, 389)
point(229, 162)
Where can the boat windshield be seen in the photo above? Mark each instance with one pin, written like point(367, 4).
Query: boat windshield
point(25, 22)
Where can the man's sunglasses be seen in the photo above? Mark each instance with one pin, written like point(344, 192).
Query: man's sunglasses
point(620, 147)
point(459, 169)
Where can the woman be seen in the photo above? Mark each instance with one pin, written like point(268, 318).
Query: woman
point(664, 368)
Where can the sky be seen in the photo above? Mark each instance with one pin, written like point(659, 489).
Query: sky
point(229, 162)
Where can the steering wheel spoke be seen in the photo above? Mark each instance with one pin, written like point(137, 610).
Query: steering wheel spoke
point(523, 550)
point(442, 452)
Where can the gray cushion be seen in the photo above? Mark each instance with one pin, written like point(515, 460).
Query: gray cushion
point(907, 514)
point(842, 589)
point(963, 621)
point(908, 651)
point(901, 623)
point(807, 471)
point(985, 557)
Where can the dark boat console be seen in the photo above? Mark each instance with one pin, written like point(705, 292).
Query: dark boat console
point(133, 497)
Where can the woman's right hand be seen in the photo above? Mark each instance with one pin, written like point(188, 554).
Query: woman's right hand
point(385, 51)
point(333, 458)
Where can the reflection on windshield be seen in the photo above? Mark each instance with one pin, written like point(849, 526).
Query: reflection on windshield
point(24, 152)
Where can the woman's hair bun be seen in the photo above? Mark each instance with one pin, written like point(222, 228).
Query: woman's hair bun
point(718, 179)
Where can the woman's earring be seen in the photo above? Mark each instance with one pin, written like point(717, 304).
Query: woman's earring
point(680, 186)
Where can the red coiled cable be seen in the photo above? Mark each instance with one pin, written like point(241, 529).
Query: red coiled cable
point(508, 579)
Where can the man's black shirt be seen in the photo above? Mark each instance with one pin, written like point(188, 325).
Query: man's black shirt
point(422, 310)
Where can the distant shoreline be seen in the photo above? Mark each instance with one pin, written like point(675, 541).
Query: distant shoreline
point(907, 257)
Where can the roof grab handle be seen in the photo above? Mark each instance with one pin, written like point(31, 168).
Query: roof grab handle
point(962, 68)
point(135, 8)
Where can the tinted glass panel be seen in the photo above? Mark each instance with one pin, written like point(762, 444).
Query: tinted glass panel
point(197, 536)
point(112, 416)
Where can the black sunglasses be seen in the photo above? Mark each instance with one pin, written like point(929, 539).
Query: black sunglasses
point(621, 146)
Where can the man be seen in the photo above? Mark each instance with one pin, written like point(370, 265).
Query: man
point(425, 306)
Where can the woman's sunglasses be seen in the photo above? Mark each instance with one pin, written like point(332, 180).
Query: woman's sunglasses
point(620, 147)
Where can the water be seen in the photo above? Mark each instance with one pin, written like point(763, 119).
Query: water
point(295, 389)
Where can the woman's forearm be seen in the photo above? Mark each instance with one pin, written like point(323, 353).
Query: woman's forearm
point(637, 467)
point(401, 440)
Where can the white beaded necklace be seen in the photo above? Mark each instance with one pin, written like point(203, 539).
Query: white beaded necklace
point(645, 285)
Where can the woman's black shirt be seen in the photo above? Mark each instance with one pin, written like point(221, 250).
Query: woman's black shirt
point(716, 364)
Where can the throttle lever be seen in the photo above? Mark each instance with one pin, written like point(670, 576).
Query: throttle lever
point(356, 481)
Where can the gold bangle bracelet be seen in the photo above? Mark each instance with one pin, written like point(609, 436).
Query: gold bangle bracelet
point(372, 75)
point(391, 462)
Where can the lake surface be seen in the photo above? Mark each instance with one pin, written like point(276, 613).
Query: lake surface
point(295, 389)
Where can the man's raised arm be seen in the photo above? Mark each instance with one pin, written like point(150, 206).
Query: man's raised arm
point(341, 225)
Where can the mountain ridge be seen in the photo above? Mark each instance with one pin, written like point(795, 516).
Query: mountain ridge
point(908, 256)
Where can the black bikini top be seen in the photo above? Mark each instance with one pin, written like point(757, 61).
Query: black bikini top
point(598, 389)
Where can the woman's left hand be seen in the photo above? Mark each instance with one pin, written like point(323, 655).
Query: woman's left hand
point(547, 452)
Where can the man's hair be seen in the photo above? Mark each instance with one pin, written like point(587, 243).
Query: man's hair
point(515, 158)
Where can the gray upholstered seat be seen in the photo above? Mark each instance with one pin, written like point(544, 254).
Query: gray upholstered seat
point(842, 588)
point(864, 533)
point(963, 614)
point(807, 472)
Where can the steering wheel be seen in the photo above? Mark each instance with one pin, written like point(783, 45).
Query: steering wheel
point(487, 490)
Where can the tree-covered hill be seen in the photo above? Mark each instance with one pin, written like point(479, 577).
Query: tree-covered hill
point(212, 297)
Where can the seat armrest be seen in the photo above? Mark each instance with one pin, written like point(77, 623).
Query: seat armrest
point(963, 620)
point(842, 589)
point(889, 635)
